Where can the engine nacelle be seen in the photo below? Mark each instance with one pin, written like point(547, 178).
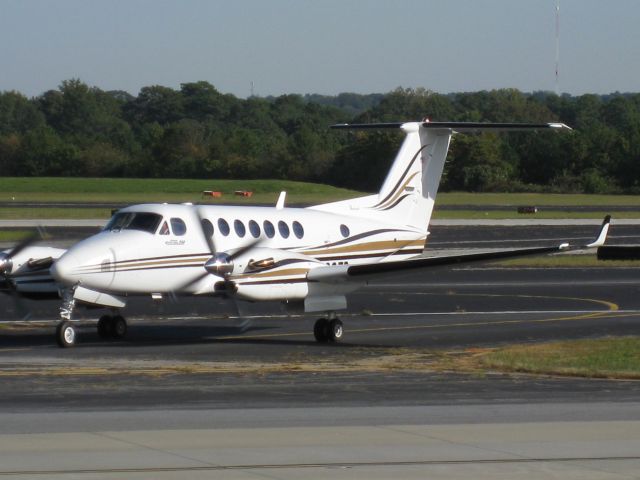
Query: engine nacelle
point(31, 258)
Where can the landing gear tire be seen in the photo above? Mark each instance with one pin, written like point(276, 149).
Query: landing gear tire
point(66, 335)
point(105, 327)
point(335, 330)
point(321, 330)
point(328, 331)
point(112, 328)
point(119, 327)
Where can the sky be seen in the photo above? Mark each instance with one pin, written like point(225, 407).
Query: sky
point(321, 46)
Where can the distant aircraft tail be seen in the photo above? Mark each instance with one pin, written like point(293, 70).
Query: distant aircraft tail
point(409, 191)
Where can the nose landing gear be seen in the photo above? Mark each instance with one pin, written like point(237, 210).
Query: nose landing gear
point(65, 331)
point(109, 326)
point(65, 334)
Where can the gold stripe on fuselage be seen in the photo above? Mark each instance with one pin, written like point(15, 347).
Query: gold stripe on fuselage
point(367, 247)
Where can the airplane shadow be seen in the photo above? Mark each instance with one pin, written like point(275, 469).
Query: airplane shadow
point(168, 335)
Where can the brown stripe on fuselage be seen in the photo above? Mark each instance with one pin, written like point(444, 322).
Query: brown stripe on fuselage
point(380, 245)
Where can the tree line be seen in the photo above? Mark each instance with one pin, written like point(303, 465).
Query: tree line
point(198, 132)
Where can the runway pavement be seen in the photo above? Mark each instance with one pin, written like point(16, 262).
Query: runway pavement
point(195, 391)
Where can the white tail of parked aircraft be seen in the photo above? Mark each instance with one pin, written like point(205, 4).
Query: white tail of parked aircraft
point(311, 256)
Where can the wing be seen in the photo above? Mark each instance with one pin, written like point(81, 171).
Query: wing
point(345, 273)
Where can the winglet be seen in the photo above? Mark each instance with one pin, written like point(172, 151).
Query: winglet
point(280, 202)
point(602, 236)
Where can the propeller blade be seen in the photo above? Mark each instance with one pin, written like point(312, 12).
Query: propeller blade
point(245, 322)
point(191, 282)
point(21, 308)
point(24, 243)
point(208, 236)
point(243, 250)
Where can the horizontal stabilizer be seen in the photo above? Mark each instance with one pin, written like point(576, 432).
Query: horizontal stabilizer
point(460, 127)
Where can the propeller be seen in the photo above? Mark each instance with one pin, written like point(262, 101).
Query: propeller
point(6, 258)
point(221, 263)
point(6, 268)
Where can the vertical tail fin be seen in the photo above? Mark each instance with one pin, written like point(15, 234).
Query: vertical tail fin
point(409, 191)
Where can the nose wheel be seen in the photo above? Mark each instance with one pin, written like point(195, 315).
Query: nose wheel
point(66, 335)
point(328, 331)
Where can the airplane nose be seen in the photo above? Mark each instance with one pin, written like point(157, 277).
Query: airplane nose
point(61, 270)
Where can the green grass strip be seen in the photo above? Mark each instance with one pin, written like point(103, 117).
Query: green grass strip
point(513, 214)
point(617, 357)
point(535, 199)
point(567, 261)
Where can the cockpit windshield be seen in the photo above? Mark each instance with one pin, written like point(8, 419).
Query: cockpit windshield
point(144, 221)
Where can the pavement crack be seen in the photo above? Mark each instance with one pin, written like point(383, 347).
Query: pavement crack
point(157, 450)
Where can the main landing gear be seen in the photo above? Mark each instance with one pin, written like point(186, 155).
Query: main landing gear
point(112, 327)
point(328, 330)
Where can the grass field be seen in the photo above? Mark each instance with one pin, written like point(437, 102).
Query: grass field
point(617, 357)
point(128, 190)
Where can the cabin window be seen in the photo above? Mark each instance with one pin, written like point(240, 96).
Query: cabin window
point(344, 230)
point(223, 226)
point(298, 230)
point(144, 221)
point(164, 229)
point(268, 228)
point(239, 227)
point(178, 226)
point(283, 228)
point(254, 228)
point(207, 228)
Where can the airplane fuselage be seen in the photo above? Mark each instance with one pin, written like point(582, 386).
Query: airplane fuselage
point(163, 249)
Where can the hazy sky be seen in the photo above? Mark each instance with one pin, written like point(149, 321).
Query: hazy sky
point(320, 46)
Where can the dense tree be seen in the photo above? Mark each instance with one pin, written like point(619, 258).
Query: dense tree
point(197, 131)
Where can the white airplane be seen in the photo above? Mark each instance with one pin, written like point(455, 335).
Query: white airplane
point(311, 256)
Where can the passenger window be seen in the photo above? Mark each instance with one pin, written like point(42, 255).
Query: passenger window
point(178, 226)
point(283, 228)
point(254, 228)
point(238, 226)
point(223, 226)
point(207, 228)
point(269, 229)
point(344, 230)
point(164, 230)
point(298, 230)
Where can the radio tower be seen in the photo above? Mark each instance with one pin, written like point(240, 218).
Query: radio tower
point(557, 46)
